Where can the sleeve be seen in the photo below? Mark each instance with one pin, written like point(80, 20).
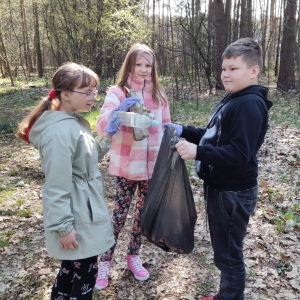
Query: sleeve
point(111, 102)
point(246, 126)
point(192, 134)
point(57, 166)
point(103, 145)
point(166, 118)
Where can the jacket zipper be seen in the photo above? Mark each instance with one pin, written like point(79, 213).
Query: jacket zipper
point(147, 138)
point(143, 91)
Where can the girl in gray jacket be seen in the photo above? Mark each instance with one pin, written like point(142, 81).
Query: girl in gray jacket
point(76, 218)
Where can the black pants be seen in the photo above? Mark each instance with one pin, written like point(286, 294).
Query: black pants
point(76, 279)
point(228, 217)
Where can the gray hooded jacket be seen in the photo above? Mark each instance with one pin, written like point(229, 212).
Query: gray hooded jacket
point(73, 195)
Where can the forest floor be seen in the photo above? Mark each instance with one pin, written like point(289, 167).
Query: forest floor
point(271, 247)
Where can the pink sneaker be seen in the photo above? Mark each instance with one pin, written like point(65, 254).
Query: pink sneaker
point(103, 273)
point(135, 266)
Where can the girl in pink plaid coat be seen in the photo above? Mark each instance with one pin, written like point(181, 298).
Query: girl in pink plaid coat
point(131, 161)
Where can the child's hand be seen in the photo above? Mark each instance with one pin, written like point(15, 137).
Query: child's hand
point(186, 150)
point(111, 127)
point(127, 103)
point(69, 241)
point(178, 128)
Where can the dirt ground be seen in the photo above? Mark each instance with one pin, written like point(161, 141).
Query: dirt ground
point(27, 272)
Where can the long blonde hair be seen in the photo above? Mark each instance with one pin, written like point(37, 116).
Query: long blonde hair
point(67, 77)
point(128, 67)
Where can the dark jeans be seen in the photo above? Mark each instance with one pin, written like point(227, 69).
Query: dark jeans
point(228, 217)
point(75, 280)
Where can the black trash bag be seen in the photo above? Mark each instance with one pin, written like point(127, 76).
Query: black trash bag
point(169, 215)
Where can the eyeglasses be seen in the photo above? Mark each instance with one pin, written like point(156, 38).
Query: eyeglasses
point(90, 96)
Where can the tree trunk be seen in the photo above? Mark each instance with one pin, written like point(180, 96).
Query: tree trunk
point(249, 19)
point(19, 42)
point(197, 11)
point(173, 58)
point(298, 25)
point(286, 78)
point(153, 25)
point(210, 53)
point(37, 41)
point(279, 37)
point(264, 37)
point(2, 70)
point(235, 33)
point(3, 51)
point(26, 40)
point(243, 23)
point(227, 24)
point(148, 9)
point(220, 40)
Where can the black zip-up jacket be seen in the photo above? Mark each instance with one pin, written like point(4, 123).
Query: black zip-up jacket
point(226, 155)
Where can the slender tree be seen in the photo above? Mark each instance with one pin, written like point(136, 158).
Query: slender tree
point(220, 40)
point(25, 38)
point(153, 25)
point(264, 36)
point(37, 40)
point(249, 19)
point(227, 25)
point(243, 22)
point(3, 54)
point(279, 37)
point(286, 78)
point(235, 33)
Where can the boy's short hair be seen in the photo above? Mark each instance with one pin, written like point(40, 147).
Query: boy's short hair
point(248, 49)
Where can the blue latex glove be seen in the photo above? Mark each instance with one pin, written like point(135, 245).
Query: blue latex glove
point(111, 125)
point(127, 103)
point(178, 128)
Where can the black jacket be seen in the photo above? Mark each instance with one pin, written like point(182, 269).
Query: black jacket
point(226, 155)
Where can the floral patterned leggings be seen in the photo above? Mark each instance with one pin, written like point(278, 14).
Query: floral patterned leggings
point(124, 194)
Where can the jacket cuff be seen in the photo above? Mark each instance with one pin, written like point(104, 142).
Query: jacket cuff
point(103, 141)
point(66, 230)
point(200, 155)
point(184, 132)
point(103, 145)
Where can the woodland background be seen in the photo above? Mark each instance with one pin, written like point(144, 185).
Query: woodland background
point(188, 37)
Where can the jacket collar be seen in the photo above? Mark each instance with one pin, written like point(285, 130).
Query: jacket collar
point(139, 84)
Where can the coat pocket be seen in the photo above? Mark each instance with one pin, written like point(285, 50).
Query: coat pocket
point(83, 213)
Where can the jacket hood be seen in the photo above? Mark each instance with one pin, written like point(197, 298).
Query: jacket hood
point(46, 120)
point(259, 90)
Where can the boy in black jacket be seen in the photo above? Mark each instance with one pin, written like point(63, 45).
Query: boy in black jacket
point(225, 153)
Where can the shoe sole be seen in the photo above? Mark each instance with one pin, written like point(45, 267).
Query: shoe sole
point(141, 278)
point(99, 287)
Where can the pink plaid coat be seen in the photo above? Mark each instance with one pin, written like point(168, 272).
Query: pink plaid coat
point(132, 159)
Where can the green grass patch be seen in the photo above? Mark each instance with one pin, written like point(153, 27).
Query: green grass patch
point(285, 110)
point(24, 239)
point(7, 212)
point(13, 172)
point(24, 213)
point(21, 98)
point(4, 238)
point(20, 202)
point(7, 126)
point(39, 208)
point(187, 113)
point(92, 117)
point(6, 192)
point(205, 286)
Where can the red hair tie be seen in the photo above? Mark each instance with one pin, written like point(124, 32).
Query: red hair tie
point(26, 136)
point(52, 94)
